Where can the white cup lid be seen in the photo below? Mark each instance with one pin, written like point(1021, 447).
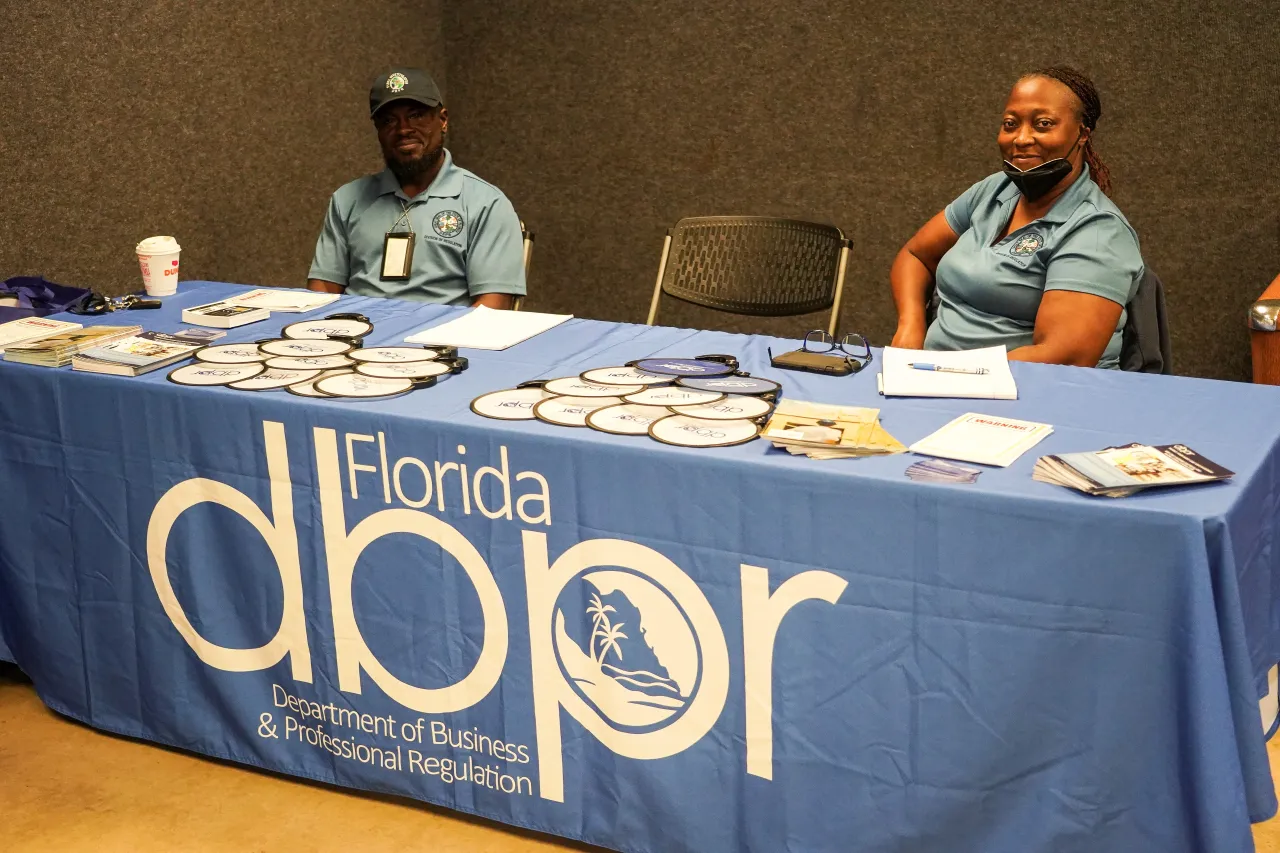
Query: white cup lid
point(158, 246)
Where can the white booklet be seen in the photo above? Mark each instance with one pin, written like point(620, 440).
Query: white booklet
point(979, 374)
point(28, 329)
point(288, 300)
point(488, 328)
point(985, 439)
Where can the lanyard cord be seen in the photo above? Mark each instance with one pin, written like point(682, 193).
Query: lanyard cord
point(403, 217)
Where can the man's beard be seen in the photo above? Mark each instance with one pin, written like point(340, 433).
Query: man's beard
point(410, 170)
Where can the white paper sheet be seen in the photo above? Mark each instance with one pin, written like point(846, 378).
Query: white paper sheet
point(900, 380)
point(985, 439)
point(488, 329)
point(286, 300)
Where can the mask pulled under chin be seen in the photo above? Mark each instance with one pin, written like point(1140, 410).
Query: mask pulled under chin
point(1035, 182)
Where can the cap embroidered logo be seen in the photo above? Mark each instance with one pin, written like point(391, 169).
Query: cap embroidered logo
point(397, 81)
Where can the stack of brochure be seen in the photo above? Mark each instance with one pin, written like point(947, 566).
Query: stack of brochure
point(984, 439)
point(28, 329)
point(223, 315)
point(58, 350)
point(135, 355)
point(822, 431)
point(1118, 472)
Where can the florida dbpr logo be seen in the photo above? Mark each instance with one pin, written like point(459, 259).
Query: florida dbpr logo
point(643, 666)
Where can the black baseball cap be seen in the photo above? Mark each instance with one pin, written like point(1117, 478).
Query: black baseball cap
point(403, 84)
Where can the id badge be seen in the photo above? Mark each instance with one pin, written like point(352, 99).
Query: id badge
point(397, 255)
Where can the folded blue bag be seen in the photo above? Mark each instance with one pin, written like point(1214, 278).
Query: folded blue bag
point(37, 297)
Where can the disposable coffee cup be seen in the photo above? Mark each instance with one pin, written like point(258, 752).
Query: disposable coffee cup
point(158, 257)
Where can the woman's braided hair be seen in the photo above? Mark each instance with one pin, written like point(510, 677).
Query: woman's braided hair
point(1090, 112)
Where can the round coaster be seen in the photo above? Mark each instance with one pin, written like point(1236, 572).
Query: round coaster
point(626, 419)
point(672, 395)
point(394, 355)
point(327, 327)
point(317, 362)
point(685, 431)
point(230, 354)
point(624, 376)
point(730, 384)
point(355, 385)
point(570, 411)
point(305, 348)
point(307, 387)
point(408, 370)
point(683, 367)
point(213, 373)
point(572, 386)
point(730, 408)
point(271, 379)
point(515, 404)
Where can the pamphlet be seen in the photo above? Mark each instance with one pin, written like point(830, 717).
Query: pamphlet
point(134, 355)
point(223, 315)
point(984, 439)
point(28, 329)
point(1118, 472)
point(824, 431)
point(57, 351)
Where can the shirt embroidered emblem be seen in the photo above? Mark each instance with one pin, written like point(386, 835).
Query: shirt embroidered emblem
point(1027, 244)
point(447, 223)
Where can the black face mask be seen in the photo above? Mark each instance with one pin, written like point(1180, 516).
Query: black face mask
point(1035, 182)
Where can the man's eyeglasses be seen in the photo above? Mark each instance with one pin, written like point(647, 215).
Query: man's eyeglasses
point(853, 345)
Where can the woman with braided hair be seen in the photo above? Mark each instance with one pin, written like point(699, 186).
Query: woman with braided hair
point(1036, 256)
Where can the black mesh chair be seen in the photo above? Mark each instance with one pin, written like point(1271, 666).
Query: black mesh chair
point(1145, 345)
point(753, 265)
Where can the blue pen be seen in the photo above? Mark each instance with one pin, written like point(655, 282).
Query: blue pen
point(973, 371)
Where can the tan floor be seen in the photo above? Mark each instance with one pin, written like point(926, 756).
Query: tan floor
point(65, 787)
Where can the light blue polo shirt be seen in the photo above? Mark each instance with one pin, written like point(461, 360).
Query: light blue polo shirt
point(989, 291)
point(467, 238)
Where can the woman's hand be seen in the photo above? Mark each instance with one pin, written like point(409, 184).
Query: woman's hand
point(910, 334)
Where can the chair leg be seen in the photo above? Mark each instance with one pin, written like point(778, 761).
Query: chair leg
point(835, 301)
point(657, 286)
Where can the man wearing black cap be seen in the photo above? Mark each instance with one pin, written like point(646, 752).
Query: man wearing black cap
point(423, 229)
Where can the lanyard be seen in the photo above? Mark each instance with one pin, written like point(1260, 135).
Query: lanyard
point(402, 218)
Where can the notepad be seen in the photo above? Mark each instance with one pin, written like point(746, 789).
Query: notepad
point(488, 328)
point(900, 380)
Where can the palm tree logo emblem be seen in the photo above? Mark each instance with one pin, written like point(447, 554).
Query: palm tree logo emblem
point(632, 654)
point(608, 634)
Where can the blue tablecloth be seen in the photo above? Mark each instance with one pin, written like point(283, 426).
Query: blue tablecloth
point(648, 647)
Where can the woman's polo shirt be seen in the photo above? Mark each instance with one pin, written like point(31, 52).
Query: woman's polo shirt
point(989, 290)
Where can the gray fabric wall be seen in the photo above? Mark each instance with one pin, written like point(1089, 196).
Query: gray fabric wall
point(226, 124)
point(607, 122)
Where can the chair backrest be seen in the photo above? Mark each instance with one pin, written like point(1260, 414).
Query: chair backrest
point(754, 265)
point(1145, 345)
point(526, 237)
